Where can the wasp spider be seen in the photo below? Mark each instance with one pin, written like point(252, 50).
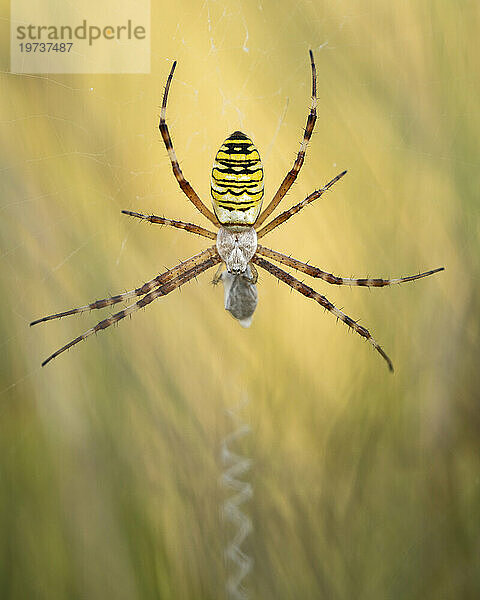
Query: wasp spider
point(237, 194)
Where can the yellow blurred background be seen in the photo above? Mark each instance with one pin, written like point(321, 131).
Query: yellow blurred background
point(366, 485)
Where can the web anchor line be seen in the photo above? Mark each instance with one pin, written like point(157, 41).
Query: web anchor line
point(236, 466)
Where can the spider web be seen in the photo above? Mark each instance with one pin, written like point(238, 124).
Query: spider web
point(81, 148)
point(56, 125)
point(76, 150)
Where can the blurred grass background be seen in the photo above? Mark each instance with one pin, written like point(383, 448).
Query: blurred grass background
point(366, 485)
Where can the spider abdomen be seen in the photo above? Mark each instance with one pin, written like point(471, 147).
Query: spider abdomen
point(237, 181)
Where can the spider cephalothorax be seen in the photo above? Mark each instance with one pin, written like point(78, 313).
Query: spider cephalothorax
point(236, 246)
point(237, 194)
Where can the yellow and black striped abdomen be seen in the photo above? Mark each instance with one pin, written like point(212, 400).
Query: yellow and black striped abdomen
point(237, 181)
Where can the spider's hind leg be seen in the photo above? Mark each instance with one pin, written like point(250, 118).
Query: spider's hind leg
point(291, 176)
point(177, 171)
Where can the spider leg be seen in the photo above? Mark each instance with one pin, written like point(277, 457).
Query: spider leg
point(297, 165)
point(162, 290)
point(182, 182)
point(140, 291)
point(311, 293)
point(329, 278)
point(190, 227)
point(298, 207)
point(217, 278)
point(254, 277)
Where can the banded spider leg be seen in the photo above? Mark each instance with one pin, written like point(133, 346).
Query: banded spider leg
point(170, 282)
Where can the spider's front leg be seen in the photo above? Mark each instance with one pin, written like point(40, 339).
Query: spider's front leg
point(158, 292)
point(140, 291)
point(308, 292)
point(335, 280)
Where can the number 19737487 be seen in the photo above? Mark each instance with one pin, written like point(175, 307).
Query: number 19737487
point(45, 46)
